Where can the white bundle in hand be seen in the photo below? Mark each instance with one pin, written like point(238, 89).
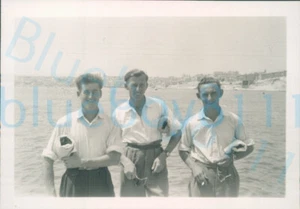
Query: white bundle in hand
point(65, 146)
point(236, 146)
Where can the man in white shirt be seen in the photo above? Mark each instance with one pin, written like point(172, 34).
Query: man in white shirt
point(211, 140)
point(141, 118)
point(95, 143)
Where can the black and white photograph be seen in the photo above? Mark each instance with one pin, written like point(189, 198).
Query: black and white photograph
point(101, 104)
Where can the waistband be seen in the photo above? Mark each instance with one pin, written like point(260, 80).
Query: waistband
point(145, 146)
point(84, 169)
point(213, 165)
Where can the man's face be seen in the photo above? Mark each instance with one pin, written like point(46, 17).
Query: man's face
point(89, 95)
point(210, 94)
point(137, 87)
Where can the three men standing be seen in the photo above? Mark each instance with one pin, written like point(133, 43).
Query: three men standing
point(210, 141)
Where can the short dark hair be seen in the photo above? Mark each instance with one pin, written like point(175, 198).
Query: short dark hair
point(206, 80)
point(134, 73)
point(89, 78)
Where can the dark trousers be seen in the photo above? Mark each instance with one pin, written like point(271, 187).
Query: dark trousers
point(222, 182)
point(143, 157)
point(86, 183)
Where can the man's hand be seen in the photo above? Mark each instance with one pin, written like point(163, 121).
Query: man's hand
point(129, 170)
point(72, 161)
point(236, 146)
point(199, 175)
point(49, 177)
point(159, 163)
point(128, 166)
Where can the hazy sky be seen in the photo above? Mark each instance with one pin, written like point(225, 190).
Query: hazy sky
point(162, 46)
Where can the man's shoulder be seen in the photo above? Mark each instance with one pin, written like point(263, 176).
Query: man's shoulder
point(122, 106)
point(192, 119)
point(120, 110)
point(154, 101)
point(67, 118)
point(104, 116)
point(227, 113)
point(231, 116)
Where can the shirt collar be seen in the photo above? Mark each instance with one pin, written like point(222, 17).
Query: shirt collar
point(147, 104)
point(80, 114)
point(201, 115)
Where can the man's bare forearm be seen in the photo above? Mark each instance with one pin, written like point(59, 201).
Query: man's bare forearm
point(49, 176)
point(173, 141)
point(112, 158)
point(124, 160)
point(185, 156)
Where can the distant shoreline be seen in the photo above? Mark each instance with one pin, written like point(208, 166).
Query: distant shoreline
point(231, 88)
point(271, 84)
point(226, 88)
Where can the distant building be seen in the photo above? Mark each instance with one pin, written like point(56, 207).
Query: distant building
point(245, 84)
point(249, 77)
point(263, 76)
point(227, 76)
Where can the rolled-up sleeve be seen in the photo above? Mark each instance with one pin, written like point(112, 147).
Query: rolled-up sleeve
point(114, 141)
point(186, 141)
point(240, 133)
point(173, 122)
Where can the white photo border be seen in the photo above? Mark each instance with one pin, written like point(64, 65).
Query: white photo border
point(291, 10)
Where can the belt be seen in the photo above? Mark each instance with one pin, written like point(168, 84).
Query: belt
point(210, 165)
point(222, 172)
point(85, 169)
point(151, 145)
point(213, 165)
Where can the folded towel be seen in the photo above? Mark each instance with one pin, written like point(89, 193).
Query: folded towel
point(236, 146)
point(65, 146)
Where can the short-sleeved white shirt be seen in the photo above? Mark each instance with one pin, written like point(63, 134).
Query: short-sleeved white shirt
point(206, 139)
point(92, 140)
point(144, 129)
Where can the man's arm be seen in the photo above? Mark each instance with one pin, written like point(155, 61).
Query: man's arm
point(241, 135)
point(49, 176)
point(185, 148)
point(160, 162)
point(74, 161)
point(173, 142)
point(112, 158)
point(124, 160)
point(185, 156)
point(128, 166)
point(231, 151)
point(197, 171)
